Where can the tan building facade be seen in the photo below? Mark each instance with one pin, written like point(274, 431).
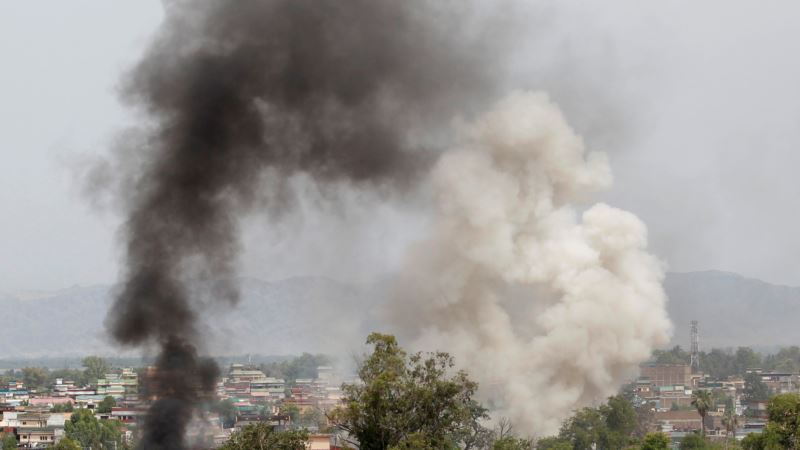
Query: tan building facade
point(668, 374)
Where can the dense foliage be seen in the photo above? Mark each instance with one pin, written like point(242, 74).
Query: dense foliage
point(105, 406)
point(303, 366)
point(755, 388)
point(67, 444)
point(90, 433)
point(722, 363)
point(261, 436)
point(42, 379)
point(655, 441)
point(408, 401)
point(783, 428)
point(611, 426)
point(8, 441)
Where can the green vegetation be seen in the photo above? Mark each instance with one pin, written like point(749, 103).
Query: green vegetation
point(62, 407)
point(67, 444)
point(42, 379)
point(694, 441)
point(8, 441)
point(95, 367)
point(106, 405)
point(262, 436)
point(35, 377)
point(720, 364)
point(416, 402)
point(755, 388)
point(303, 366)
point(408, 399)
point(313, 417)
point(610, 426)
point(702, 401)
point(91, 433)
point(783, 428)
point(227, 412)
point(730, 419)
point(655, 441)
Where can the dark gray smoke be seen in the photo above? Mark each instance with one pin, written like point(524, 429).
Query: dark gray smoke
point(346, 91)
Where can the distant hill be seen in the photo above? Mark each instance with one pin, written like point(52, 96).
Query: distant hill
point(733, 310)
point(322, 315)
point(290, 316)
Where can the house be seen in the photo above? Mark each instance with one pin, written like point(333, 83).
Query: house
point(38, 437)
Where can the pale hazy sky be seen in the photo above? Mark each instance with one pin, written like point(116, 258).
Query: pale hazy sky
point(697, 104)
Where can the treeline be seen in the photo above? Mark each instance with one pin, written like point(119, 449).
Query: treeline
point(303, 366)
point(42, 378)
point(722, 363)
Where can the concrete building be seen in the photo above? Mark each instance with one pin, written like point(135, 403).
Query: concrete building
point(667, 374)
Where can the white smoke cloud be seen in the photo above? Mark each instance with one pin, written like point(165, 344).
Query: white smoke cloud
point(550, 309)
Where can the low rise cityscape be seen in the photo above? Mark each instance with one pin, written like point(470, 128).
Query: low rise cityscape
point(38, 406)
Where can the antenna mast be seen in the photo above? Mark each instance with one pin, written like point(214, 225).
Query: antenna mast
point(695, 348)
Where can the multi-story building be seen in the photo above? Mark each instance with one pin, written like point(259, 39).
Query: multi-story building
point(667, 374)
point(124, 385)
point(240, 373)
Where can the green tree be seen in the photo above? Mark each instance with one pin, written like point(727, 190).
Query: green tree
point(401, 395)
point(261, 436)
point(645, 419)
point(730, 420)
point(693, 441)
point(786, 360)
point(784, 421)
point(67, 444)
point(702, 401)
point(74, 375)
point(95, 367)
point(655, 441)
point(9, 441)
point(227, 412)
point(512, 443)
point(584, 429)
point(761, 441)
point(91, 433)
point(746, 358)
point(755, 388)
point(611, 426)
point(553, 443)
point(620, 421)
point(303, 366)
point(35, 377)
point(106, 405)
point(292, 411)
point(314, 417)
point(62, 407)
point(718, 363)
point(676, 355)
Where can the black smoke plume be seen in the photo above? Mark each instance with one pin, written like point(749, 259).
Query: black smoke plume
point(345, 91)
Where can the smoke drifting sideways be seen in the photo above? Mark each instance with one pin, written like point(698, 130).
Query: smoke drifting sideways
point(238, 98)
point(549, 308)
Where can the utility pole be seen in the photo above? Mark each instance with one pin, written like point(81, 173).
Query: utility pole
point(695, 348)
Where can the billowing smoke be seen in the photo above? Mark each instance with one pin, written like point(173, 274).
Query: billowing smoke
point(550, 308)
point(549, 304)
point(240, 96)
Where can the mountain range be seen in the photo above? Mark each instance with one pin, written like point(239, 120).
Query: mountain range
point(322, 315)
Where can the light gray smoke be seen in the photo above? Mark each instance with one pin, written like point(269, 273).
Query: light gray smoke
point(550, 308)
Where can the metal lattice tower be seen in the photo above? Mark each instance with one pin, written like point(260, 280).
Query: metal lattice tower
point(695, 348)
